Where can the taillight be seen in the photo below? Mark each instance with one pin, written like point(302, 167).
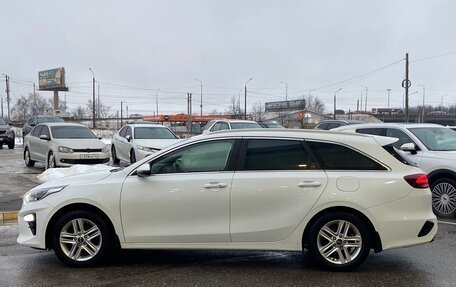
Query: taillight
point(418, 180)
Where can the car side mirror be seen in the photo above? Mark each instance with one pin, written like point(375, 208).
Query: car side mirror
point(410, 147)
point(45, 137)
point(143, 170)
point(128, 137)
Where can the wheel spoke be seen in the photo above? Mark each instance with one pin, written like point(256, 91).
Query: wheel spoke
point(353, 241)
point(328, 231)
point(325, 248)
point(67, 238)
point(91, 248)
point(328, 253)
point(340, 227)
point(72, 251)
point(80, 225)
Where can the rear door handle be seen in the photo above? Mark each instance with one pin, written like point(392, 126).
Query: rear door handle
point(215, 185)
point(309, 184)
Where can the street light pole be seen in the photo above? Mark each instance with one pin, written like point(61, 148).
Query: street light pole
point(286, 91)
point(245, 98)
point(441, 101)
point(156, 100)
point(424, 93)
point(389, 91)
point(365, 102)
point(335, 102)
point(93, 98)
point(201, 102)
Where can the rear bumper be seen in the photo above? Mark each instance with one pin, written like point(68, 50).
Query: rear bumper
point(405, 222)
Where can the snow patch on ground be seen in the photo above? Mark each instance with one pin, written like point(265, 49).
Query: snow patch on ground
point(54, 173)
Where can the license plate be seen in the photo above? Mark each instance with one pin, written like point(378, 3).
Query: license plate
point(88, 156)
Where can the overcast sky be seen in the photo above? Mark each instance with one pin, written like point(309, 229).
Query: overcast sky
point(137, 47)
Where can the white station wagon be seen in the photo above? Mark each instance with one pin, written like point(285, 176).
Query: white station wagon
point(338, 195)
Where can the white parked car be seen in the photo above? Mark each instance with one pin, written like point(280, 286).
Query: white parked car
point(338, 195)
point(431, 147)
point(134, 142)
point(220, 125)
point(64, 144)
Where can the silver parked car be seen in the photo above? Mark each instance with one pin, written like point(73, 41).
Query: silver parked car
point(219, 125)
point(136, 141)
point(64, 144)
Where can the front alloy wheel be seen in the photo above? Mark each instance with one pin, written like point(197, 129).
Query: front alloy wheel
point(51, 160)
point(81, 239)
point(444, 197)
point(339, 241)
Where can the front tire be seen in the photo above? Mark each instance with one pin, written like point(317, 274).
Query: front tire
point(444, 197)
point(28, 160)
point(114, 154)
point(81, 238)
point(339, 241)
point(132, 157)
point(51, 161)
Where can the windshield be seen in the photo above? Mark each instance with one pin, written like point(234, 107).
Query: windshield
point(153, 133)
point(2, 121)
point(50, 120)
point(72, 132)
point(436, 139)
point(236, 126)
point(274, 125)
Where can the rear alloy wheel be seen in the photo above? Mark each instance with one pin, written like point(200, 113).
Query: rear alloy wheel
point(51, 161)
point(114, 155)
point(28, 160)
point(339, 241)
point(444, 197)
point(132, 156)
point(81, 238)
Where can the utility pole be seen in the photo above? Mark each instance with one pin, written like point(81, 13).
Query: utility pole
point(335, 102)
point(286, 91)
point(121, 113)
point(34, 100)
point(357, 105)
point(189, 114)
point(389, 91)
point(8, 97)
point(2, 106)
point(361, 102)
point(156, 100)
point(98, 111)
point(93, 98)
point(201, 102)
point(406, 84)
point(422, 112)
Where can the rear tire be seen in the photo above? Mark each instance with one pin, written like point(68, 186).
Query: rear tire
point(444, 197)
point(11, 144)
point(28, 160)
point(339, 241)
point(82, 239)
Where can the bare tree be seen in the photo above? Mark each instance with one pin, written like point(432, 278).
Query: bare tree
point(315, 104)
point(257, 110)
point(31, 105)
point(235, 109)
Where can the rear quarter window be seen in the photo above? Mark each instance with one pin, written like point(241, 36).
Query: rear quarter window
point(337, 157)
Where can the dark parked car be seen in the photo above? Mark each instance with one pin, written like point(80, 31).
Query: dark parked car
point(332, 124)
point(33, 121)
point(6, 134)
point(271, 125)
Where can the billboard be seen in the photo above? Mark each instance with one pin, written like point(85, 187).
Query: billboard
point(52, 80)
point(285, 106)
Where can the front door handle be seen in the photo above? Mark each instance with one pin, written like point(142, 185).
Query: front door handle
point(309, 184)
point(215, 185)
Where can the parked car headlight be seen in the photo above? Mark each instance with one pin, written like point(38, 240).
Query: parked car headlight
point(39, 194)
point(65, 149)
point(145, 148)
point(105, 149)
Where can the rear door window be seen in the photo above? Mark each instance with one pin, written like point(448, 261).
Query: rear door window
point(275, 154)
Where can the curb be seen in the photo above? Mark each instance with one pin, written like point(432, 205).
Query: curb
point(8, 215)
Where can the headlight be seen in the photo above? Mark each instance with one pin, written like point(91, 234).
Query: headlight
point(105, 149)
point(148, 149)
point(65, 149)
point(39, 194)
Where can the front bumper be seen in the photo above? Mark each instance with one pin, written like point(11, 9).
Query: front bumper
point(41, 211)
point(6, 138)
point(68, 159)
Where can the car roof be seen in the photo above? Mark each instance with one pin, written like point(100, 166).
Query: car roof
point(62, 124)
point(236, 121)
point(147, 125)
point(385, 125)
point(340, 137)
